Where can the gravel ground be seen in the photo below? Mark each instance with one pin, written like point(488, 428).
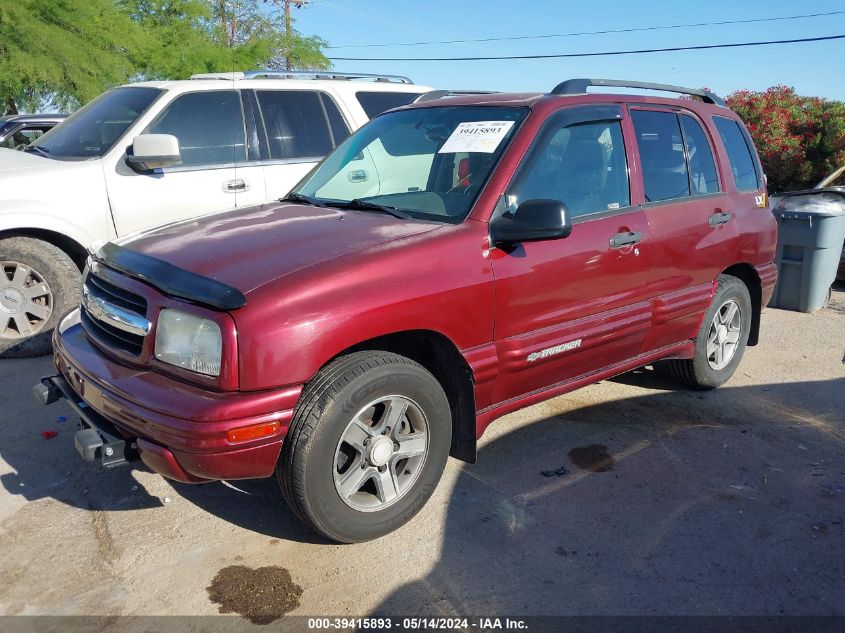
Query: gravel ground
point(627, 497)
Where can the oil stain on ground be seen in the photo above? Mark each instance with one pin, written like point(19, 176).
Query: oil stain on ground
point(261, 595)
point(594, 458)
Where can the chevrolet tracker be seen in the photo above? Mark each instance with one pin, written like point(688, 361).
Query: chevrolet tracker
point(451, 261)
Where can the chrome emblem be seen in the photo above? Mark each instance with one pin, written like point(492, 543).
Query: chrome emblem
point(552, 351)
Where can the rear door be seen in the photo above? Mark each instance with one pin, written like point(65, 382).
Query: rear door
point(690, 218)
point(748, 191)
point(570, 307)
point(300, 127)
point(210, 128)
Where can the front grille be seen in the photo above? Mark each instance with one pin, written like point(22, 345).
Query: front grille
point(106, 333)
point(115, 295)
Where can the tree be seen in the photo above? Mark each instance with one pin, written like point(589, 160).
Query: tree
point(62, 53)
point(266, 36)
point(194, 36)
point(241, 21)
point(800, 139)
point(297, 51)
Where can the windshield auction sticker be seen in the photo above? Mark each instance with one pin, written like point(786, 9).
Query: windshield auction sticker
point(476, 136)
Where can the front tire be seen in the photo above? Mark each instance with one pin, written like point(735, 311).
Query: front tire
point(721, 338)
point(367, 445)
point(39, 283)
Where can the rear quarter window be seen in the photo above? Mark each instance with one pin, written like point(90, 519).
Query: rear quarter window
point(374, 103)
point(740, 154)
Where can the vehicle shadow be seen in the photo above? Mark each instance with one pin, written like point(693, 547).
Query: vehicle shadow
point(41, 468)
point(684, 463)
point(676, 502)
point(253, 504)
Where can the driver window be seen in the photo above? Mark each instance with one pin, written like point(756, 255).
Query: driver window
point(208, 125)
point(582, 165)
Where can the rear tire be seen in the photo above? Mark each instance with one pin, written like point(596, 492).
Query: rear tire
point(367, 445)
point(721, 338)
point(39, 283)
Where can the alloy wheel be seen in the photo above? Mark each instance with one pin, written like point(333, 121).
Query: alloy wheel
point(381, 453)
point(723, 336)
point(26, 301)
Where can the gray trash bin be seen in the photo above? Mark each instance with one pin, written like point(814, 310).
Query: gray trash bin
point(811, 230)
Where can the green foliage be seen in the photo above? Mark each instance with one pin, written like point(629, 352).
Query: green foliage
point(800, 139)
point(184, 39)
point(64, 52)
point(193, 36)
point(305, 53)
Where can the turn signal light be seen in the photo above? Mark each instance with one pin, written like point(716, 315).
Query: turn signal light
point(253, 432)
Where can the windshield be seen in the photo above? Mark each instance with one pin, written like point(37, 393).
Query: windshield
point(92, 130)
point(429, 163)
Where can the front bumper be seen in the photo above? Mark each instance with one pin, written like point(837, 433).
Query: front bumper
point(178, 430)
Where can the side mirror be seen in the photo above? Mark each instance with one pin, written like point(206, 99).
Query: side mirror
point(534, 220)
point(152, 151)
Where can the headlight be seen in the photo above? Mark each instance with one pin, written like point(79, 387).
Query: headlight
point(189, 341)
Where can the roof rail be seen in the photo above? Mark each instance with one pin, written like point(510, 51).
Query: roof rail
point(302, 74)
point(431, 95)
point(579, 86)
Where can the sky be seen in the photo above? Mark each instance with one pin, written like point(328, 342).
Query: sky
point(811, 68)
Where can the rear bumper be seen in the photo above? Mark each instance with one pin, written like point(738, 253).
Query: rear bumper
point(178, 430)
point(768, 274)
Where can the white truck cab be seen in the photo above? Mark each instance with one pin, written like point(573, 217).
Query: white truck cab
point(150, 153)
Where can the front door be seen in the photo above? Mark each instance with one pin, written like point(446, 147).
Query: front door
point(210, 129)
point(567, 308)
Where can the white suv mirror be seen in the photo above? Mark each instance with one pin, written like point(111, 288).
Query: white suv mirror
point(152, 151)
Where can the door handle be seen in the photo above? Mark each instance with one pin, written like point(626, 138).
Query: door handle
point(625, 239)
point(235, 186)
point(720, 217)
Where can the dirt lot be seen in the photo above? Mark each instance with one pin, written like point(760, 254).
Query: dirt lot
point(627, 497)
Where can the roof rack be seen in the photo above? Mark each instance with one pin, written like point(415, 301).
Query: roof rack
point(579, 86)
point(302, 74)
point(431, 95)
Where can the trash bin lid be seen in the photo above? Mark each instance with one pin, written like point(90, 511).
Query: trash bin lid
point(824, 202)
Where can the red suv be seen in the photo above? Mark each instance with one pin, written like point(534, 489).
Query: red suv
point(487, 252)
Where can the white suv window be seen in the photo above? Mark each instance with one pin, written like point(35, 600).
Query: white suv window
point(301, 123)
point(209, 126)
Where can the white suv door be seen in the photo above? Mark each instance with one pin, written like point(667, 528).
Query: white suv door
point(210, 128)
point(301, 127)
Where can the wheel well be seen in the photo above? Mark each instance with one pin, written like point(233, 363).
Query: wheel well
point(748, 275)
point(441, 357)
point(73, 249)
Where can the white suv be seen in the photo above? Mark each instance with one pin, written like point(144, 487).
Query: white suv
point(150, 153)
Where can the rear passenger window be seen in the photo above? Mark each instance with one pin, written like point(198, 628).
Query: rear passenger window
point(300, 123)
point(208, 125)
point(374, 103)
point(739, 155)
point(336, 123)
point(665, 175)
point(703, 178)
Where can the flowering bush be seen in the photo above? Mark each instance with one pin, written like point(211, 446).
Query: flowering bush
point(800, 139)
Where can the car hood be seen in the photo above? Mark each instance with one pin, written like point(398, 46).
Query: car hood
point(250, 247)
point(12, 160)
